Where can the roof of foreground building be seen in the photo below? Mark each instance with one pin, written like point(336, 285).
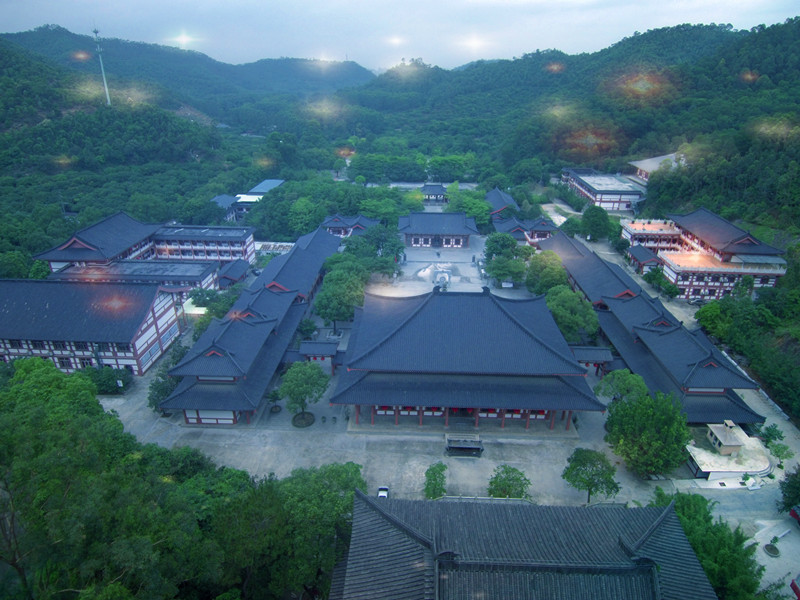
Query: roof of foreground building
point(459, 549)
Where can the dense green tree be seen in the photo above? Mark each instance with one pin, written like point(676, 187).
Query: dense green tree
point(595, 224)
point(591, 471)
point(572, 313)
point(162, 385)
point(790, 491)
point(621, 385)
point(572, 226)
point(318, 507)
point(508, 482)
point(503, 268)
point(303, 383)
point(436, 481)
point(499, 244)
point(341, 291)
point(650, 433)
point(545, 271)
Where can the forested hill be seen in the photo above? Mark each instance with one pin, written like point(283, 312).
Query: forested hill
point(192, 76)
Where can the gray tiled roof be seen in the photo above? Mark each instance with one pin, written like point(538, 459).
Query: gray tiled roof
point(498, 200)
point(70, 310)
point(459, 391)
point(516, 227)
point(594, 276)
point(224, 200)
point(456, 223)
point(358, 221)
point(642, 254)
point(234, 271)
point(461, 349)
point(461, 548)
point(299, 268)
point(655, 346)
point(722, 235)
point(149, 271)
point(451, 332)
point(102, 241)
point(265, 186)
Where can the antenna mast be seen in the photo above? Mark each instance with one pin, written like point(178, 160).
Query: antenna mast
point(102, 70)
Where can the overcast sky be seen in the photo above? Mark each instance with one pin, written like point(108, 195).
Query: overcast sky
point(379, 33)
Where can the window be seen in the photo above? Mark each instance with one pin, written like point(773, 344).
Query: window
point(123, 347)
point(764, 280)
point(15, 344)
point(104, 347)
point(715, 278)
point(37, 345)
point(86, 363)
point(684, 277)
point(415, 241)
point(696, 291)
point(64, 363)
point(701, 278)
point(81, 346)
point(59, 345)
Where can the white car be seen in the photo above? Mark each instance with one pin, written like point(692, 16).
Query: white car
point(383, 492)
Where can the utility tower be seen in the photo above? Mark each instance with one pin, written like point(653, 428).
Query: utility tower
point(102, 70)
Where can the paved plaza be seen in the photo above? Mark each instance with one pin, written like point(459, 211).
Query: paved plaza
point(397, 456)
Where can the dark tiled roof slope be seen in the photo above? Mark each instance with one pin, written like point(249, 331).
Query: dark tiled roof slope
point(346, 221)
point(456, 223)
point(499, 550)
point(224, 200)
point(498, 200)
point(458, 391)
point(102, 241)
point(722, 235)
point(234, 270)
point(228, 348)
point(150, 271)
point(642, 254)
point(468, 333)
point(594, 276)
point(299, 268)
point(70, 310)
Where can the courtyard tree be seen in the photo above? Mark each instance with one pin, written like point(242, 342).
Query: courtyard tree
point(571, 227)
point(649, 432)
point(341, 291)
point(595, 224)
point(435, 481)
point(545, 271)
point(499, 244)
point(303, 383)
point(572, 313)
point(621, 384)
point(503, 268)
point(591, 471)
point(508, 482)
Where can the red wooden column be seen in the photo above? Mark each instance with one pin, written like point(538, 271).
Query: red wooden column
point(446, 416)
point(503, 419)
point(372, 415)
point(358, 412)
point(528, 419)
point(552, 419)
point(477, 416)
point(420, 410)
point(569, 419)
point(396, 415)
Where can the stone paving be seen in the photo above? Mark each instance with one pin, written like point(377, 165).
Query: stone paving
point(397, 456)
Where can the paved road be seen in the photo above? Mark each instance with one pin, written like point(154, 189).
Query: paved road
point(399, 456)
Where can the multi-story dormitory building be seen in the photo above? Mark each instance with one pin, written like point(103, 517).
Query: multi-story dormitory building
point(114, 297)
point(652, 343)
point(81, 324)
point(705, 255)
point(120, 237)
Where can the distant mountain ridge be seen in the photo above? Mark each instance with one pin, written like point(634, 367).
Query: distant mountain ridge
point(188, 74)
